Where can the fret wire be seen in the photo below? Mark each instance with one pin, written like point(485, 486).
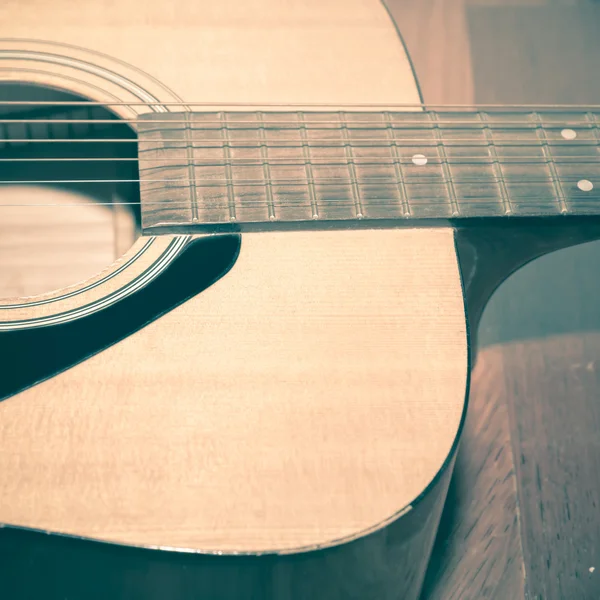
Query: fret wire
point(308, 167)
point(497, 168)
point(228, 166)
point(444, 164)
point(189, 152)
point(351, 168)
point(593, 125)
point(397, 166)
point(541, 135)
point(266, 169)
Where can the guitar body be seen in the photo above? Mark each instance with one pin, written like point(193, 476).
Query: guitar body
point(267, 416)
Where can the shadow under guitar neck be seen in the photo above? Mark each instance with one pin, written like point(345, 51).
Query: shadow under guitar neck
point(490, 251)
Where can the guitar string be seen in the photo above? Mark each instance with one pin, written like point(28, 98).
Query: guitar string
point(366, 160)
point(480, 203)
point(360, 161)
point(322, 182)
point(333, 181)
point(294, 124)
point(381, 142)
point(287, 105)
point(212, 203)
point(277, 126)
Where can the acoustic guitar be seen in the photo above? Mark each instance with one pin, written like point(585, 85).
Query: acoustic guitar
point(241, 276)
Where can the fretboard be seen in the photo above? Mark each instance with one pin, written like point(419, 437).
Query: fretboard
point(263, 169)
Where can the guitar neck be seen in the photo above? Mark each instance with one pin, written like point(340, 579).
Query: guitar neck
point(215, 171)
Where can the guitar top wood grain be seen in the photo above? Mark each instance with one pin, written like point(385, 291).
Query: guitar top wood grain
point(305, 398)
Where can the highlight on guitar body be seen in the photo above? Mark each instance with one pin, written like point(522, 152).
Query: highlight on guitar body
point(239, 299)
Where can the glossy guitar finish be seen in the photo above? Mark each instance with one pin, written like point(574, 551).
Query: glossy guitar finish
point(302, 411)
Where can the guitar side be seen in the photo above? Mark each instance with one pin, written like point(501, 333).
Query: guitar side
point(293, 426)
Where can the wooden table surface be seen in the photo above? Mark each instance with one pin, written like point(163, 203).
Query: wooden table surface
point(522, 519)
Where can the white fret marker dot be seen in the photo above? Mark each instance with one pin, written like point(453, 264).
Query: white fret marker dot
point(585, 185)
point(568, 134)
point(419, 159)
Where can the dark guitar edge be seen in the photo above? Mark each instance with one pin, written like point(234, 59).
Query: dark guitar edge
point(386, 564)
point(490, 251)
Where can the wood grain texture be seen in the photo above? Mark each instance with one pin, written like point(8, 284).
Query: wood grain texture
point(208, 42)
point(65, 246)
point(377, 566)
point(296, 426)
point(557, 454)
point(246, 418)
point(479, 553)
point(521, 512)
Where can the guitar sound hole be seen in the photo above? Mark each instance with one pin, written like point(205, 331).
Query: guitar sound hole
point(69, 205)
